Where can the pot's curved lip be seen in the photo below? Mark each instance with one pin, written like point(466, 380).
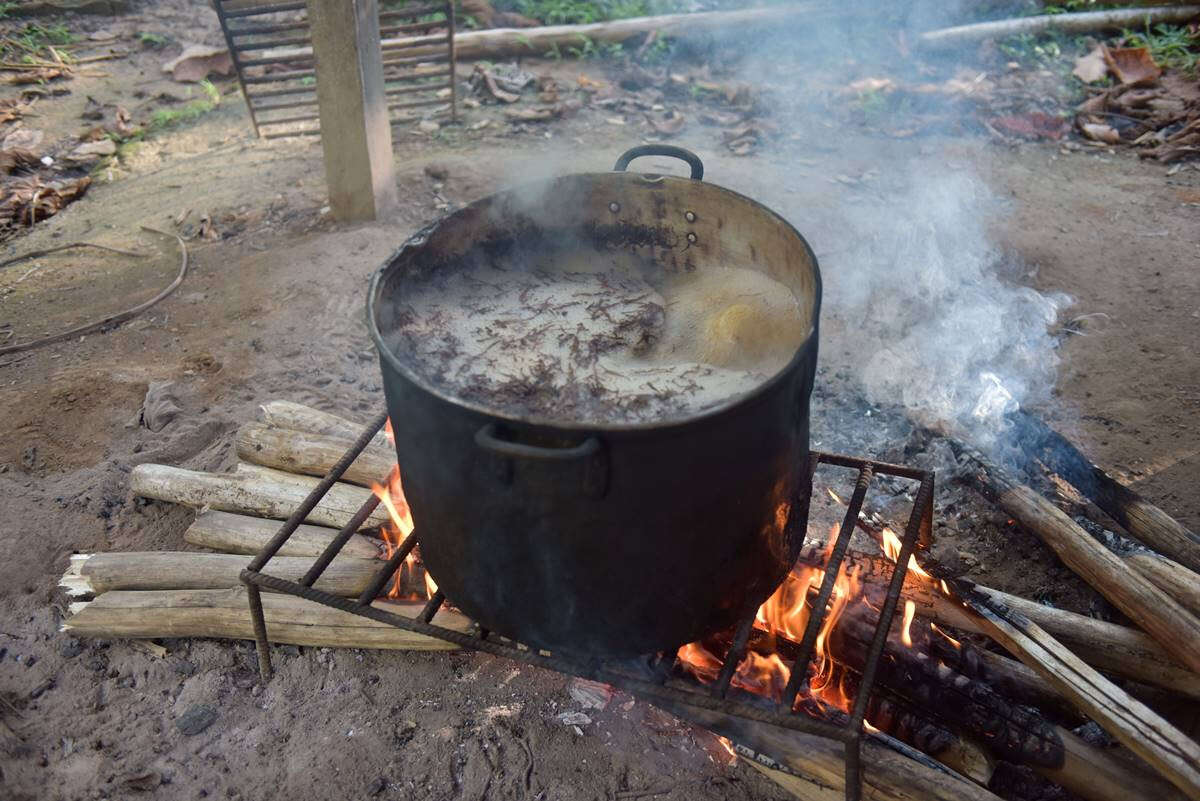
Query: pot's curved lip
point(419, 238)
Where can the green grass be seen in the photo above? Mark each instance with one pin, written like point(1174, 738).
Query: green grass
point(153, 41)
point(579, 12)
point(166, 118)
point(1171, 46)
point(170, 117)
point(28, 43)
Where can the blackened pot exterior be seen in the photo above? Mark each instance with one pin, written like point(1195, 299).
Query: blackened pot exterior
point(608, 540)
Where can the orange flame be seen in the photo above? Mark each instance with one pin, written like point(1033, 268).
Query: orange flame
point(728, 746)
point(400, 522)
point(786, 613)
point(891, 548)
point(910, 611)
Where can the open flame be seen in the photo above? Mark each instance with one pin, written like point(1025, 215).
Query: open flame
point(400, 523)
point(786, 613)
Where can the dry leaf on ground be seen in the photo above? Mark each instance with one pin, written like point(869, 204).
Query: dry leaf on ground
point(197, 62)
point(24, 138)
point(1101, 132)
point(17, 158)
point(1132, 65)
point(1034, 125)
point(41, 75)
point(27, 200)
point(90, 151)
point(1092, 67)
point(669, 124)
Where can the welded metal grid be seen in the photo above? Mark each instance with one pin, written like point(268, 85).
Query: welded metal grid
point(271, 47)
point(712, 697)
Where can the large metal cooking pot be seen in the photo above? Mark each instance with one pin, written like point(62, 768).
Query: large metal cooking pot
point(607, 540)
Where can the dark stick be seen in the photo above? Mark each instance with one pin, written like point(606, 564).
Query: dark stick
point(1142, 519)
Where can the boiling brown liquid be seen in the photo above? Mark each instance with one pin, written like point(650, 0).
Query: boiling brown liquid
point(577, 336)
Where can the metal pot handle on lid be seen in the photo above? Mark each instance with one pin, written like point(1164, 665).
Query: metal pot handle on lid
point(662, 150)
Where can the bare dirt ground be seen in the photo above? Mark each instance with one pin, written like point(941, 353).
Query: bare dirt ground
point(274, 308)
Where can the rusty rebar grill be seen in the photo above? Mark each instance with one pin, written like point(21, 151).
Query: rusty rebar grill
point(712, 697)
point(271, 47)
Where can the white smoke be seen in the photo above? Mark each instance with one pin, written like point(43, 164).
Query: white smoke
point(921, 302)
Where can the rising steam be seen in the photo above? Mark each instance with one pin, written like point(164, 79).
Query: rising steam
point(920, 294)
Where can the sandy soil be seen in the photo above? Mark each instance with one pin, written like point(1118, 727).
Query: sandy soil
point(274, 310)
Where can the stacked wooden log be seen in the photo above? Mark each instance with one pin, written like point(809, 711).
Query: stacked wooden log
point(198, 594)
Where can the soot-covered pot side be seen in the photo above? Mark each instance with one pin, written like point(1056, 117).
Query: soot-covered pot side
point(610, 540)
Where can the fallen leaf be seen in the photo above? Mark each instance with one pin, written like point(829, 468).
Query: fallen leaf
point(1132, 65)
point(90, 151)
point(16, 158)
point(533, 114)
point(671, 123)
point(197, 62)
point(29, 200)
point(746, 131)
point(720, 118)
point(11, 109)
point(42, 75)
point(743, 147)
point(590, 85)
point(207, 230)
point(1034, 125)
point(24, 138)
point(1101, 132)
point(1092, 67)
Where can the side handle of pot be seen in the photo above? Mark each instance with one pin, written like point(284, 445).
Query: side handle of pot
point(590, 452)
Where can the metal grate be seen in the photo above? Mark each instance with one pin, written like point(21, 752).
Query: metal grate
point(271, 48)
point(713, 697)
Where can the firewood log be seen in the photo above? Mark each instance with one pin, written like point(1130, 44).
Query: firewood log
point(886, 774)
point(1142, 519)
point(93, 574)
point(1132, 723)
point(1012, 733)
point(226, 532)
point(1175, 628)
point(252, 490)
point(224, 614)
point(312, 454)
point(499, 43)
point(1118, 649)
point(1169, 576)
point(296, 416)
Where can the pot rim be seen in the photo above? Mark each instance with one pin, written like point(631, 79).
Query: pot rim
point(421, 237)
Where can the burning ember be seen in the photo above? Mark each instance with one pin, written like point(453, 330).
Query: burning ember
point(399, 525)
point(784, 616)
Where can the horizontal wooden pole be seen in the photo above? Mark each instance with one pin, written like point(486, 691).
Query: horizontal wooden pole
point(226, 532)
point(224, 614)
point(252, 490)
point(286, 414)
point(93, 574)
point(312, 454)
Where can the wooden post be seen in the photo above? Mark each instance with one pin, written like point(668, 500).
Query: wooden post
point(355, 134)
